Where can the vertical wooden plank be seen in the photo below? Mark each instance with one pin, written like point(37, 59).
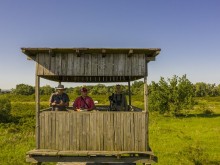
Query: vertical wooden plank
point(76, 65)
point(42, 126)
point(121, 64)
point(94, 64)
point(82, 64)
point(87, 125)
point(59, 131)
point(128, 65)
point(70, 64)
point(143, 128)
point(116, 134)
point(142, 64)
point(40, 59)
point(83, 132)
point(121, 131)
point(50, 126)
point(46, 64)
point(53, 65)
point(64, 64)
point(71, 132)
point(98, 130)
point(147, 131)
point(53, 130)
point(125, 132)
point(78, 133)
point(134, 65)
point(58, 65)
point(101, 65)
point(115, 65)
point(67, 120)
point(109, 64)
point(101, 127)
point(88, 65)
point(75, 144)
point(136, 131)
point(111, 131)
point(132, 131)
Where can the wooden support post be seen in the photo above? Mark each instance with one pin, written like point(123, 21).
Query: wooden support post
point(37, 100)
point(146, 107)
point(129, 92)
point(145, 90)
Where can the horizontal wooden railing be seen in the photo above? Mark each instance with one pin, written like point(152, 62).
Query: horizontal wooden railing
point(93, 131)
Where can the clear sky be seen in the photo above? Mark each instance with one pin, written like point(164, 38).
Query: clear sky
point(187, 31)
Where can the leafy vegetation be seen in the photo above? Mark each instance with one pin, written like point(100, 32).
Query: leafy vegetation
point(189, 139)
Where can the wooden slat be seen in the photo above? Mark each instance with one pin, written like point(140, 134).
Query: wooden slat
point(88, 65)
point(58, 65)
point(94, 131)
point(95, 65)
point(64, 64)
point(70, 65)
point(121, 64)
point(40, 58)
point(109, 65)
point(101, 65)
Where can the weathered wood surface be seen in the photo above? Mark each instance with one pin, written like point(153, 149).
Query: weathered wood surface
point(70, 64)
point(93, 131)
point(44, 155)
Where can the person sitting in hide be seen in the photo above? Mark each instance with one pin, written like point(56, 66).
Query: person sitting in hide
point(59, 101)
point(118, 101)
point(83, 102)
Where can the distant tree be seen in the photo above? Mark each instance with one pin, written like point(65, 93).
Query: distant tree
point(172, 96)
point(23, 89)
point(5, 109)
point(137, 87)
point(46, 90)
point(202, 89)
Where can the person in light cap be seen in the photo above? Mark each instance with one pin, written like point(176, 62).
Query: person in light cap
point(83, 102)
point(59, 100)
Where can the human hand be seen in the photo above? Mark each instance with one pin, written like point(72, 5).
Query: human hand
point(54, 103)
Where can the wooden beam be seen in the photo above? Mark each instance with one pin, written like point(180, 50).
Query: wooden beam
point(130, 52)
point(129, 92)
point(37, 100)
point(103, 53)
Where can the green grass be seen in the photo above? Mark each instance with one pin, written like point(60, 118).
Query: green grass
point(171, 139)
point(194, 139)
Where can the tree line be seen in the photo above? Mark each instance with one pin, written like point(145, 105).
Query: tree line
point(199, 89)
point(168, 96)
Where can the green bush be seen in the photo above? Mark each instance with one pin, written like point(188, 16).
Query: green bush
point(171, 97)
point(5, 109)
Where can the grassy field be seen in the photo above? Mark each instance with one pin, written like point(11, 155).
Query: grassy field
point(194, 139)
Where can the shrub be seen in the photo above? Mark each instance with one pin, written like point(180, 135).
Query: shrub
point(5, 109)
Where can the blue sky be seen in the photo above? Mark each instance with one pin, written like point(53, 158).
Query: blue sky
point(187, 31)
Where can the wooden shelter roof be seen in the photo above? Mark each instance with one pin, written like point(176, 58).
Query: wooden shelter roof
point(125, 64)
point(151, 52)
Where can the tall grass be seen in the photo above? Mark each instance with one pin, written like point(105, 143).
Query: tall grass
point(194, 139)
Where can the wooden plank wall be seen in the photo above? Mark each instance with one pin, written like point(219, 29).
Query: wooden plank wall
point(93, 131)
point(70, 64)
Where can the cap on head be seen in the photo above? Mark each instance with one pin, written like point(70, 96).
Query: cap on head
point(83, 89)
point(60, 87)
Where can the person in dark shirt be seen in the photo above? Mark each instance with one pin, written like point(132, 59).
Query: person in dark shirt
point(59, 100)
point(118, 101)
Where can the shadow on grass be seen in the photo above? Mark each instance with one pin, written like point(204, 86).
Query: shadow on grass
point(199, 115)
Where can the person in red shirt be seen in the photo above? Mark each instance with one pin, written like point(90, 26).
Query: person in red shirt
point(83, 102)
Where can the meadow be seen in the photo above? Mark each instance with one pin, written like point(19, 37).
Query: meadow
point(190, 139)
